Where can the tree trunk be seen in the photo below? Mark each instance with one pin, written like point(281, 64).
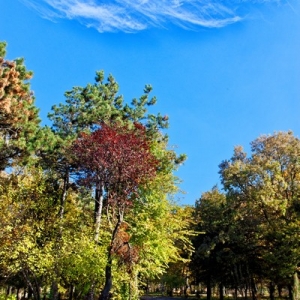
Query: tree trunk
point(272, 291)
point(208, 288)
point(29, 291)
point(221, 291)
point(295, 286)
point(54, 291)
point(133, 287)
point(246, 291)
point(90, 294)
point(71, 292)
point(98, 209)
point(290, 288)
point(64, 195)
point(8, 290)
point(18, 294)
point(105, 294)
point(34, 287)
point(54, 294)
point(279, 289)
point(235, 292)
point(253, 289)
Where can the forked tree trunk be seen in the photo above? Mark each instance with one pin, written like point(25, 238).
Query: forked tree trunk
point(33, 286)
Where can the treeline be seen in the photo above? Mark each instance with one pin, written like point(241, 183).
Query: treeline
point(85, 209)
point(250, 241)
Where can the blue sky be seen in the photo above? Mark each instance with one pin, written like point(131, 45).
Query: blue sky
point(224, 72)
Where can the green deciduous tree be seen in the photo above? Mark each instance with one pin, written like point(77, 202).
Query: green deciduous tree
point(28, 214)
point(254, 227)
point(269, 182)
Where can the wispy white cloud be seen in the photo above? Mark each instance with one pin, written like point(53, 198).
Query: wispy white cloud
point(135, 15)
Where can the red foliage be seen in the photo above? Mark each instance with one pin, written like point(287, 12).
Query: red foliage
point(116, 157)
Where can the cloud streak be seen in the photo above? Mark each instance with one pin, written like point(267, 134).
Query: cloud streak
point(136, 15)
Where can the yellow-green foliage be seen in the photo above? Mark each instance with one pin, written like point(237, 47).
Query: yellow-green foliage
point(27, 221)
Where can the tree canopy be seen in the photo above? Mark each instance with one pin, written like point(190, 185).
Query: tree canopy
point(251, 230)
point(85, 205)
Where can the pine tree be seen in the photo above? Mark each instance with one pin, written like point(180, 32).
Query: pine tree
point(18, 115)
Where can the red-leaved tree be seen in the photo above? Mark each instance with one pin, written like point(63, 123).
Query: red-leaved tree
point(116, 159)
